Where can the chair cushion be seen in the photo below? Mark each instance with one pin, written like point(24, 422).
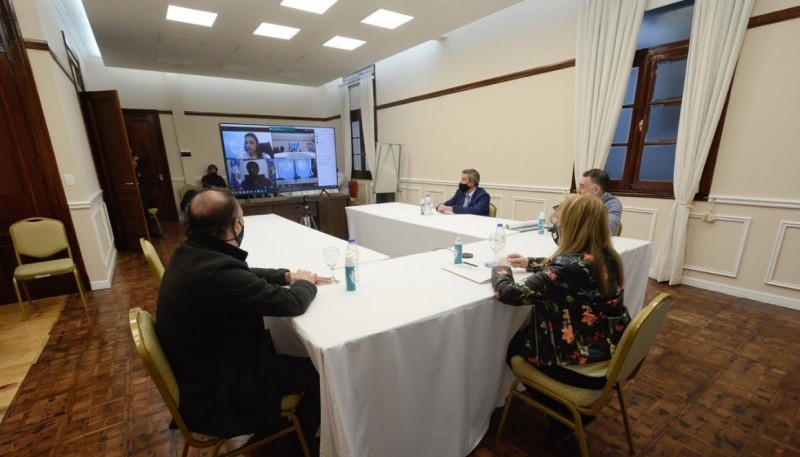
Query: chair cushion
point(290, 402)
point(531, 375)
point(41, 269)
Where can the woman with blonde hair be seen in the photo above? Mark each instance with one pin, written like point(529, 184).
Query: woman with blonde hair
point(578, 314)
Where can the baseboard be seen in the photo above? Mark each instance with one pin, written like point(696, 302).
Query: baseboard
point(112, 265)
point(763, 297)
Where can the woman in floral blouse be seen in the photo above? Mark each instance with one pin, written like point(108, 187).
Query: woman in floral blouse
point(578, 314)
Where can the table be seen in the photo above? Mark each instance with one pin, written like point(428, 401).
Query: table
point(397, 229)
point(413, 362)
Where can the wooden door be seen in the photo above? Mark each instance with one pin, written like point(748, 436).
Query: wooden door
point(30, 185)
point(145, 140)
point(112, 159)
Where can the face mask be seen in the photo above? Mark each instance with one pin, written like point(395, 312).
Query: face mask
point(240, 237)
point(554, 233)
point(463, 187)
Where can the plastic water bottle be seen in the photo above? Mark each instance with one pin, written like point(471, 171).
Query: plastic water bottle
point(352, 253)
point(350, 271)
point(541, 224)
point(422, 207)
point(428, 205)
point(500, 237)
point(457, 248)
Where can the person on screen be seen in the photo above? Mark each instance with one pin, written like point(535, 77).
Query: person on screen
point(595, 182)
point(469, 198)
point(578, 313)
point(212, 178)
point(209, 319)
point(255, 150)
point(253, 180)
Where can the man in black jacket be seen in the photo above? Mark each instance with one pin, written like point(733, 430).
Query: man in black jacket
point(210, 323)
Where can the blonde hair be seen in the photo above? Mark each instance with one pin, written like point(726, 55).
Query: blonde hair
point(583, 228)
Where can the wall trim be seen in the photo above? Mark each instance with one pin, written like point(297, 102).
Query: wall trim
point(260, 116)
point(764, 297)
point(87, 204)
point(773, 260)
point(106, 283)
point(774, 17)
point(514, 201)
point(755, 201)
point(653, 217)
point(522, 188)
point(734, 272)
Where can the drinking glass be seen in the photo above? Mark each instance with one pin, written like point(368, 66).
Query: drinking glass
point(331, 256)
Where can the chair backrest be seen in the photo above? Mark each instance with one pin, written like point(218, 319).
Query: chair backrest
point(152, 258)
point(638, 337)
point(186, 188)
point(38, 237)
point(492, 210)
point(619, 230)
point(143, 329)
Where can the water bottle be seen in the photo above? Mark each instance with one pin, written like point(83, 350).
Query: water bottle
point(352, 252)
point(500, 237)
point(457, 248)
point(350, 271)
point(428, 205)
point(422, 207)
point(541, 224)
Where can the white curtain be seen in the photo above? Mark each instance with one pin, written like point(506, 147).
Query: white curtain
point(607, 34)
point(368, 118)
point(718, 28)
point(347, 149)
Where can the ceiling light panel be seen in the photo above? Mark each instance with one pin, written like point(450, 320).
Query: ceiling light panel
point(312, 6)
point(190, 16)
point(276, 31)
point(386, 19)
point(343, 43)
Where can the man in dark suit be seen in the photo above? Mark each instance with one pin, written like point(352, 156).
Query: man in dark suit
point(469, 198)
point(210, 323)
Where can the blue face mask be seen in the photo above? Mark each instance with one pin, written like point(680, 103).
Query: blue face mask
point(240, 237)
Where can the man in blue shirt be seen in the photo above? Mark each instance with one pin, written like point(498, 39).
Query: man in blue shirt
point(469, 198)
point(595, 182)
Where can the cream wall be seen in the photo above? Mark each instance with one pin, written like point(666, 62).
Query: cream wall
point(518, 134)
point(39, 20)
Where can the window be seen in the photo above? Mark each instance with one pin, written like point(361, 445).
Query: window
point(360, 168)
point(641, 159)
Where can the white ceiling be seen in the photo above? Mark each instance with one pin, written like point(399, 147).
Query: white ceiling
point(136, 34)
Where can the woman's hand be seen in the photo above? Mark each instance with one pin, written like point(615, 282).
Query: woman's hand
point(516, 260)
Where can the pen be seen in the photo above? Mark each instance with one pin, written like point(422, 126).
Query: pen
point(471, 264)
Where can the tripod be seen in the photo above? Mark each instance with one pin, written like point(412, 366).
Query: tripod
point(307, 219)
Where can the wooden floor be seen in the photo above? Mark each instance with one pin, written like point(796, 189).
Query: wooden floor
point(723, 379)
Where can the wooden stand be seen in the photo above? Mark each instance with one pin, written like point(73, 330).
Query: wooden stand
point(328, 212)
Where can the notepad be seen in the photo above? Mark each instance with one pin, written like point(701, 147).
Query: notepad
point(477, 274)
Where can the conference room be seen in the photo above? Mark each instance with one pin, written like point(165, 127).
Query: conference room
point(699, 223)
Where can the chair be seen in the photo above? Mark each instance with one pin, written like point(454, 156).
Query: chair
point(153, 214)
point(152, 258)
point(631, 350)
point(619, 230)
point(492, 210)
point(41, 238)
point(186, 188)
point(143, 328)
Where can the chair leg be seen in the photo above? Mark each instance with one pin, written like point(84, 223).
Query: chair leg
point(580, 432)
point(624, 411)
point(19, 298)
point(80, 291)
point(503, 418)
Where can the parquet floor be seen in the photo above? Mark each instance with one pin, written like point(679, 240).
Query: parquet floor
point(723, 379)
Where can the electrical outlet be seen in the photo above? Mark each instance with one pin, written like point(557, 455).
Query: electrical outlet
point(69, 179)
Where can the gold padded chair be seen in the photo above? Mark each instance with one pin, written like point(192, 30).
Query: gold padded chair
point(152, 213)
point(492, 210)
point(186, 188)
point(152, 258)
point(143, 328)
point(41, 238)
point(619, 230)
point(631, 350)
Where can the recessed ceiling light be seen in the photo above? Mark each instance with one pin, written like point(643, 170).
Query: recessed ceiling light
point(190, 16)
point(343, 43)
point(386, 19)
point(276, 31)
point(312, 6)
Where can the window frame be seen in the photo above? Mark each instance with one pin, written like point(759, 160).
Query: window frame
point(362, 173)
point(647, 60)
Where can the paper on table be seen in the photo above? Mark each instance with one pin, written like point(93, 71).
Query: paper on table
point(523, 226)
point(477, 274)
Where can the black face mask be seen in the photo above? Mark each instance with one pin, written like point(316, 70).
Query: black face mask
point(240, 237)
point(554, 233)
point(463, 187)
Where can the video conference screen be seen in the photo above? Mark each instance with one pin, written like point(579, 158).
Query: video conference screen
point(268, 159)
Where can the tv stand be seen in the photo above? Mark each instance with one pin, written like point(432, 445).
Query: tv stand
point(328, 211)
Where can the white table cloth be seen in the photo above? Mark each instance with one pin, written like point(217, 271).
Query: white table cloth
point(397, 229)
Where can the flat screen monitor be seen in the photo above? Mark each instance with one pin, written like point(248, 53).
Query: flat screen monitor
point(269, 159)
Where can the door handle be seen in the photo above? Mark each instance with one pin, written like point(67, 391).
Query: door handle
point(161, 177)
point(129, 183)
